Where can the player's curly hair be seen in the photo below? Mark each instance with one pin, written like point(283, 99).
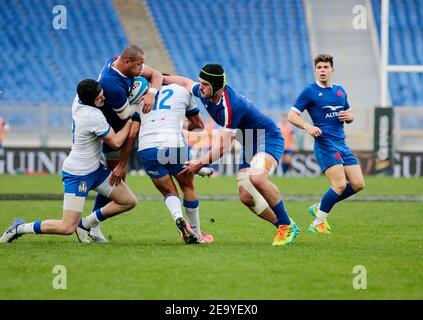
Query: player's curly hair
point(88, 90)
point(324, 58)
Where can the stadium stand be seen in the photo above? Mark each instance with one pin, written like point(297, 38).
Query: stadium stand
point(263, 45)
point(44, 64)
point(405, 48)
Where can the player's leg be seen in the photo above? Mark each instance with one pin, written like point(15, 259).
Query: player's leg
point(192, 206)
point(337, 179)
point(72, 208)
point(353, 173)
point(66, 226)
point(252, 199)
point(355, 181)
point(262, 165)
point(112, 160)
point(121, 198)
point(160, 176)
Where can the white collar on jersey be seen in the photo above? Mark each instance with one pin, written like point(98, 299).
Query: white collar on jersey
point(318, 83)
point(111, 66)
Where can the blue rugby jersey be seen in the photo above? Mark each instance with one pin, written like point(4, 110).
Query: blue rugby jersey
point(323, 105)
point(116, 88)
point(235, 111)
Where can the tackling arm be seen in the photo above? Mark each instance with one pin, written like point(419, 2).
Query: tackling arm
point(226, 137)
point(195, 122)
point(182, 81)
point(125, 152)
point(156, 79)
point(115, 140)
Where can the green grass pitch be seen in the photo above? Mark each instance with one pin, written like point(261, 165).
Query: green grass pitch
point(146, 259)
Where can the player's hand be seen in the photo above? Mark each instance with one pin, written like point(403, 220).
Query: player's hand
point(345, 116)
point(117, 176)
point(314, 131)
point(149, 100)
point(191, 167)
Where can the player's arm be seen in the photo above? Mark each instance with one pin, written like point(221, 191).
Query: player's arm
point(195, 122)
point(193, 115)
point(156, 79)
point(346, 115)
point(115, 140)
point(225, 140)
point(296, 120)
point(125, 152)
point(303, 101)
point(117, 98)
point(182, 81)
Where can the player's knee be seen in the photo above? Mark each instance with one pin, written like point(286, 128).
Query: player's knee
point(339, 187)
point(132, 201)
point(246, 199)
point(357, 187)
point(257, 180)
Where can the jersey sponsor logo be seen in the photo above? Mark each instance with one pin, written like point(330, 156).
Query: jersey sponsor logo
point(332, 108)
point(334, 113)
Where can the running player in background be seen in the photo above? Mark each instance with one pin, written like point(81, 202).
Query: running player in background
point(262, 147)
point(163, 151)
point(117, 78)
point(82, 170)
point(4, 130)
point(287, 130)
point(328, 107)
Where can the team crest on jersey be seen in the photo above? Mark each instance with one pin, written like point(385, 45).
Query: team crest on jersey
point(82, 187)
point(320, 94)
point(339, 93)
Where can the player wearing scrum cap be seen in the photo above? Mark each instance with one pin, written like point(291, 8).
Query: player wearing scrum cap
point(262, 146)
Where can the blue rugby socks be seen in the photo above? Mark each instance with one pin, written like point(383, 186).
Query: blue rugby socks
point(281, 214)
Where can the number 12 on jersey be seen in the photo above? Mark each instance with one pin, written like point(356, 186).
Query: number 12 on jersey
point(164, 96)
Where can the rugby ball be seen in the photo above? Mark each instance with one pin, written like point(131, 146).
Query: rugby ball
point(139, 88)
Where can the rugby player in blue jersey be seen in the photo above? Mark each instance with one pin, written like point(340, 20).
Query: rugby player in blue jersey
point(328, 107)
point(262, 147)
point(117, 79)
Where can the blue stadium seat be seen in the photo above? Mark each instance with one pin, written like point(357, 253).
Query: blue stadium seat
point(263, 45)
point(45, 63)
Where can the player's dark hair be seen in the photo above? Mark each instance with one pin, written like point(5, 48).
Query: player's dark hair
point(88, 90)
point(324, 58)
point(214, 75)
point(131, 52)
